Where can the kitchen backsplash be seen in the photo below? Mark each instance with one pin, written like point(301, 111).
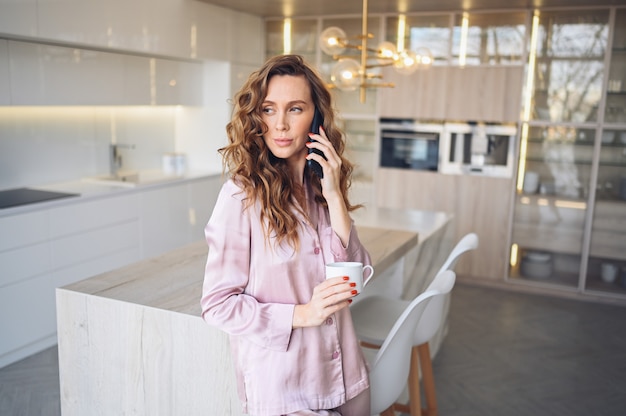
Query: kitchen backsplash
point(40, 145)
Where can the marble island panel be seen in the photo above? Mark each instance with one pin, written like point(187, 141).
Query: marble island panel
point(173, 281)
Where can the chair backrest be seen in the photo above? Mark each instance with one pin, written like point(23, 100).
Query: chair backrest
point(432, 318)
point(390, 369)
point(467, 243)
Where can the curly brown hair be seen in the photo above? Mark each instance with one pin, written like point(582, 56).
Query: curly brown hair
point(264, 177)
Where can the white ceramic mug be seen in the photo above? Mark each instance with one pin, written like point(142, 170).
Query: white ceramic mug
point(354, 270)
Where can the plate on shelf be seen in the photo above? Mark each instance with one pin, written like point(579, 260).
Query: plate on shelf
point(537, 270)
point(538, 257)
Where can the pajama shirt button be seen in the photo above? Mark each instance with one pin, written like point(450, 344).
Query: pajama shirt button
point(329, 321)
point(317, 250)
point(335, 355)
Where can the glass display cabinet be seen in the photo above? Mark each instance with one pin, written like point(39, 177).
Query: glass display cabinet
point(569, 220)
point(489, 38)
point(614, 111)
point(569, 68)
point(606, 269)
point(414, 32)
point(550, 210)
point(302, 38)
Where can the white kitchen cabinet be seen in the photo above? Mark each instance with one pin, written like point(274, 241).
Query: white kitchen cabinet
point(27, 319)
point(162, 82)
point(246, 37)
point(164, 220)
point(25, 68)
point(108, 24)
point(137, 89)
point(202, 196)
point(24, 250)
point(24, 229)
point(24, 257)
point(5, 87)
point(55, 247)
point(81, 77)
point(119, 24)
point(176, 28)
point(71, 219)
point(176, 215)
point(210, 25)
point(53, 75)
point(19, 17)
point(168, 29)
point(19, 263)
point(177, 83)
point(89, 230)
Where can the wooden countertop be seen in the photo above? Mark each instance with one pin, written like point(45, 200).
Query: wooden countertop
point(173, 281)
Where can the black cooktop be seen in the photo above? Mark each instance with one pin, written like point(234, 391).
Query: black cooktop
point(24, 196)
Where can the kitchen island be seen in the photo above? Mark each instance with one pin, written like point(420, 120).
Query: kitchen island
point(131, 341)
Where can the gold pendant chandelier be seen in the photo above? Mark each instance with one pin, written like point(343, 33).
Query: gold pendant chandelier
point(348, 74)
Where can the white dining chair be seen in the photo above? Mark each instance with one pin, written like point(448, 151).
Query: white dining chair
point(388, 364)
point(375, 315)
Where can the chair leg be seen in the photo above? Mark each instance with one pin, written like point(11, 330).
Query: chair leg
point(388, 412)
point(415, 399)
point(428, 379)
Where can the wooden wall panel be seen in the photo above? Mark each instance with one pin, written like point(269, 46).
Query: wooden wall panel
point(480, 204)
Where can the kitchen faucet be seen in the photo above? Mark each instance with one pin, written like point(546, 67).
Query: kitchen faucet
point(116, 156)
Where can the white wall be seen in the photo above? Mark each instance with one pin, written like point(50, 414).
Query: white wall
point(200, 131)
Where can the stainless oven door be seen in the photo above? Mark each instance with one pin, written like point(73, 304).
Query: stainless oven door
point(409, 150)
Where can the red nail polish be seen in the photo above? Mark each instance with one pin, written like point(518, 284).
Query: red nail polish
point(353, 284)
point(349, 300)
point(346, 278)
point(354, 292)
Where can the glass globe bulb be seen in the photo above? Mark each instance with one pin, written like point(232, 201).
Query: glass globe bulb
point(424, 56)
point(332, 40)
point(406, 63)
point(346, 74)
point(386, 51)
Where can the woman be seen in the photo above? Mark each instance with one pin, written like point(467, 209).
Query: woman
point(274, 227)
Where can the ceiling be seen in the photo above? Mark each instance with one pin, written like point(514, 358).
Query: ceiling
point(295, 8)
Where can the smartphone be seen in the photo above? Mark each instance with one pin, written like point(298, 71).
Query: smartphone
point(318, 121)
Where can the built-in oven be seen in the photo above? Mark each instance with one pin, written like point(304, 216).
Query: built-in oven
point(409, 144)
point(478, 148)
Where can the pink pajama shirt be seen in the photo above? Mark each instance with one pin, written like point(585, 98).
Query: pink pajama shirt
point(250, 290)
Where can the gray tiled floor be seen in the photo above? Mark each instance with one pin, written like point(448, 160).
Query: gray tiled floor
point(506, 354)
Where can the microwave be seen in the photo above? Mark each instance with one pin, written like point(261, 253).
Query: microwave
point(408, 144)
point(478, 148)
